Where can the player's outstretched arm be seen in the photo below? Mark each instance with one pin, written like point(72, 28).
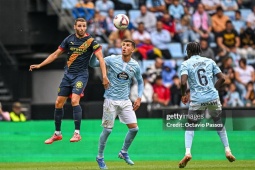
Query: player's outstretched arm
point(100, 58)
point(48, 60)
point(220, 81)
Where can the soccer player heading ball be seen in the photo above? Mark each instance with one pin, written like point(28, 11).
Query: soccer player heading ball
point(121, 70)
point(79, 47)
point(199, 72)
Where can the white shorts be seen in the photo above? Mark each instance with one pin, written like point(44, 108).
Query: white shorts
point(121, 108)
point(214, 108)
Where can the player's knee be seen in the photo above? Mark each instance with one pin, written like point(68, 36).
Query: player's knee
point(75, 101)
point(135, 130)
point(59, 104)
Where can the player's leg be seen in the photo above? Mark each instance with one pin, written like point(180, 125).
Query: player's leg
point(79, 84)
point(109, 115)
point(128, 117)
point(63, 91)
point(215, 112)
point(194, 109)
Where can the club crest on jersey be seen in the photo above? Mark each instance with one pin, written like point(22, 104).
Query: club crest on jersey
point(79, 84)
point(123, 76)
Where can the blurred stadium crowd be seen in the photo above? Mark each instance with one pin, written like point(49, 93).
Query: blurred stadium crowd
point(162, 28)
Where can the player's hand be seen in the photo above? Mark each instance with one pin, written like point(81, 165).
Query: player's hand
point(35, 66)
point(137, 104)
point(185, 99)
point(106, 82)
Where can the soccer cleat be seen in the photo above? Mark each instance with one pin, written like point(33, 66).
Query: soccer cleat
point(230, 157)
point(126, 158)
point(184, 161)
point(76, 138)
point(53, 139)
point(101, 163)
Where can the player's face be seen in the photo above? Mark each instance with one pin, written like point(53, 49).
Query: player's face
point(80, 28)
point(127, 48)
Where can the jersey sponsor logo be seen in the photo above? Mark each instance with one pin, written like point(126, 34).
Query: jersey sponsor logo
point(122, 76)
point(78, 51)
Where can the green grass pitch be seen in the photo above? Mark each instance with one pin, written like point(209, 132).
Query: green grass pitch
point(140, 165)
point(22, 147)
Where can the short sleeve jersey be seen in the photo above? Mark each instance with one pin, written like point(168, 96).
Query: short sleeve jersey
point(79, 51)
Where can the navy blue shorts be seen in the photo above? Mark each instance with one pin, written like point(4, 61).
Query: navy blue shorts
point(73, 84)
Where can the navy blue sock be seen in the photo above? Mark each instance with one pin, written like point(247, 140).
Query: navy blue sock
point(77, 115)
point(58, 115)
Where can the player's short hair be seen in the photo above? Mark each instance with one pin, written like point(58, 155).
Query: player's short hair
point(131, 41)
point(79, 19)
point(193, 48)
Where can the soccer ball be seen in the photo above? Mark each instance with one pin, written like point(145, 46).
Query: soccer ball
point(121, 21)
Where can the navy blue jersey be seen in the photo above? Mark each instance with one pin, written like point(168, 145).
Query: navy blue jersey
point(79, 51)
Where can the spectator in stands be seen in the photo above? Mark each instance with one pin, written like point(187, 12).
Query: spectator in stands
point(243, 74)
point(206, 50)
point(161, 93)
point(109, 23)
point(168, 72)
point(191, 4)
point(103, 6)
point(229, 5)
point(176, 91)
point(227, 64)
point(168, 3)
point(176, 10)
point(4, 116)
point(116, 49)
point(154, 70)
point(232, 98)
point(229, 39)
point(119, 34)
point(16, 115)
point(247, 48)
point(201, 23)
point(156, 6)
point(143, 41)
point(160, 38)
point(250, 95)
point(219, 22)
point(211, 5)
point(168, 24)
point(147, 91)
point(98, 27)
point(239, 22)
point(84, 9)
point(148, 18)
point(251, 19)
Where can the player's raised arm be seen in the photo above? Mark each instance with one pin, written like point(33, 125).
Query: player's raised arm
point(48, 60)
point(100, 58)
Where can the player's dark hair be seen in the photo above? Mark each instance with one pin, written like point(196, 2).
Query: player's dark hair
point(193, 48)
point(131, 41)
point(79, 19)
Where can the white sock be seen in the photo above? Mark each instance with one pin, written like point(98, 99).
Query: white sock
point(187, 151)
point(58, 132)
point(227, 149)
point(77, 131)
point(100, 156)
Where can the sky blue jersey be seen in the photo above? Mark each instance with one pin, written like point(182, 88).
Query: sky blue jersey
point(120, 75)
point(201, 71)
